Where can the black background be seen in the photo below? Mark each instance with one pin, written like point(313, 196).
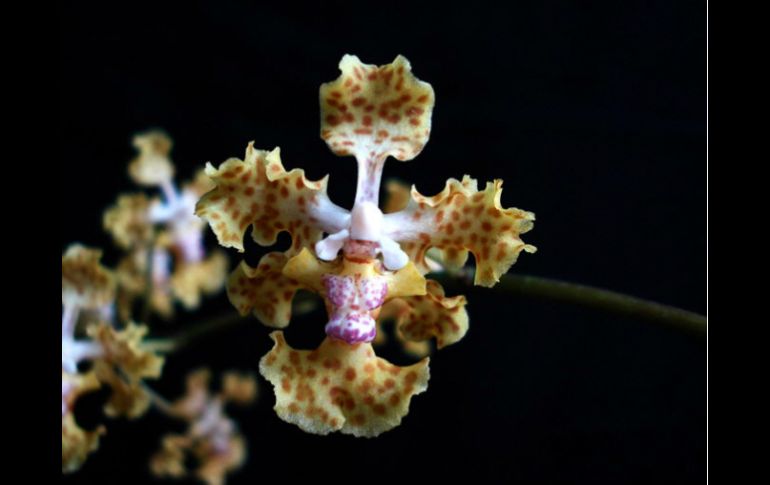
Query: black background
point(594, 114)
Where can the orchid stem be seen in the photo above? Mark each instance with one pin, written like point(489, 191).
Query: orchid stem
point(194, 332)
point(590, 297)
point(525, 285)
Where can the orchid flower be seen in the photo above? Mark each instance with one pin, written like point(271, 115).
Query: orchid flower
point(361, 259)
point(179, 243)
point(118, 359)
point(212, 438)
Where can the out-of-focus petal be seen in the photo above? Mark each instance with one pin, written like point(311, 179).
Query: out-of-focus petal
point(152, 167)
point(127, 399)
point(461, 219)
point(375, 112)
point(212, 438)
point(169, 460)
point(191, 280)
point(128, 221)
point(258, 191)
point(123, 366)
point(340, 387)
point(76, 443)
point(398, 196)
point(200, 184)
point(196, 396)
point(216, 464)
point(84, 282)
point(239, 388)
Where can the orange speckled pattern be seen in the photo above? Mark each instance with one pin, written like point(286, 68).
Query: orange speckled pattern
point(258, 191)
point(460, 219)
point(420, 318)
point(374, 112)
point(340, 387)
point(84, 282)
point(265, 290)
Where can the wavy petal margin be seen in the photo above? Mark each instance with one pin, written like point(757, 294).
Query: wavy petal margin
point(376, 112)
point(461, 219)
point(340, 387)
point(258, 191)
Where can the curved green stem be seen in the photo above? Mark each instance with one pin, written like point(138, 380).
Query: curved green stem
point(590, 297)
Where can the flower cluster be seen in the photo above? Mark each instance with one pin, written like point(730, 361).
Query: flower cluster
point(117, 357)
point(161, 234)
point(363, 262)
point(211, 438)
point(165, 261)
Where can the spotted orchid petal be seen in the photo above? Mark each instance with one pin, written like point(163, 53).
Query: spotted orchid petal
point(340, 387)
point(76, 443)
point(84, 282)
point(422, 317)
point(264, 290)
point(258, 191)
point(462, 219)
point(372, 113)
point(152, 167)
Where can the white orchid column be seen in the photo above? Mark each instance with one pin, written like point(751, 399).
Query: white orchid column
point(370, 112)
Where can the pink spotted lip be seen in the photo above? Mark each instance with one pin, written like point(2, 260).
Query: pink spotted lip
point(352, 298)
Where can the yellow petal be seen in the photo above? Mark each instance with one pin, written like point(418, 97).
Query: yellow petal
point(84, 282)
point(258, 191)
point(376, 111)
point(191, 280)
point(152, 167)
point(128, 398)
point(239, 388)
point(263, 290)
point(169, 460)
point(340, 387)
point(460, 219)
point(123, 348)
point(200, 184)
point(76, 443)
point(123, 367)
point(196, 397)
point(308, 270)
point(420, 318)
point(128, 222)
point(215, 464)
